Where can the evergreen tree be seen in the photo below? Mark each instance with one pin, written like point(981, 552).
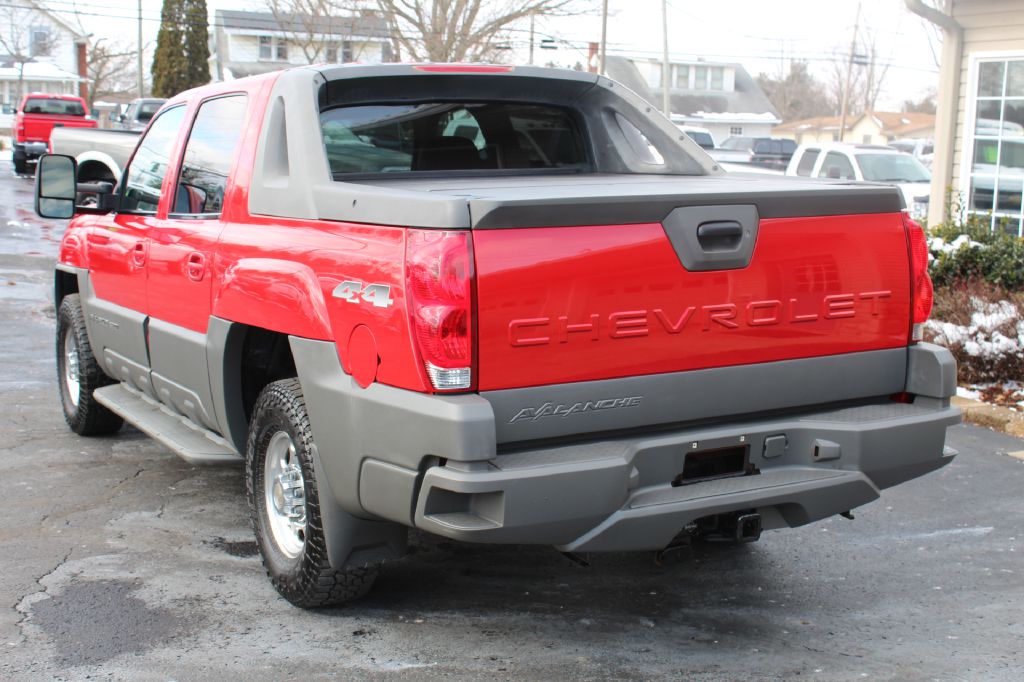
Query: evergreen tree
point(182, 50)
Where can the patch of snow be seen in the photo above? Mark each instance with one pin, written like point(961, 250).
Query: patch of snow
point(984, 337)
point(968, 393)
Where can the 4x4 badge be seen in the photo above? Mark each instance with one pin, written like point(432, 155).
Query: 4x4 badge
point(377, 294)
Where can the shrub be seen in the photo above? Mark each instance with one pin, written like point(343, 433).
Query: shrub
point(983, 326)
point(966, 248)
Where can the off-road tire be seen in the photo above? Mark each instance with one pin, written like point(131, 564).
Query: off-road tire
point(87, 417)
point(307, 580)
point(20, 162)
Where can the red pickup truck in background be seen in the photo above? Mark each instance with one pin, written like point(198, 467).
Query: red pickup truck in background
point(497, 304)
point(37, 116)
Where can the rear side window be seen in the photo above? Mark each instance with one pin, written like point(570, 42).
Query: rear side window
point(450, 136)
point(145, 174)
point(209, 153)
point(806, 164)
point(837, 166)
point(54, 107)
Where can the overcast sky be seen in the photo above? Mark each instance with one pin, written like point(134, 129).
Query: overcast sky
point(760, 35)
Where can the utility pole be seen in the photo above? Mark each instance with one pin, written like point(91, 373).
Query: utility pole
point(139, 79)
point(533, 19)
point(666, 106)
point(849, 74)
point(604, 36)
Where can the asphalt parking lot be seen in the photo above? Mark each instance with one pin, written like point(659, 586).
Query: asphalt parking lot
point(120, 561)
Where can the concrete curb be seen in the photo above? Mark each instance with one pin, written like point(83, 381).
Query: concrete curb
point(994, 417)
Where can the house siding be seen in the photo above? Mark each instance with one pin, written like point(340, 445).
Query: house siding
point(990, 26)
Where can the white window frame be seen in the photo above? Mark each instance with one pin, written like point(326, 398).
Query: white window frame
point(970, 123)
point(259, 48)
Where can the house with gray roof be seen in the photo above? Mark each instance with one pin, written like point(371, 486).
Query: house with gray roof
point(250, 43)
point(721, 97)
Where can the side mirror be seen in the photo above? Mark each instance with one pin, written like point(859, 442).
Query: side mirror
point(55, 186)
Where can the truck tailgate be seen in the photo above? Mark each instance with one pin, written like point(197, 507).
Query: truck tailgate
point(569, 304)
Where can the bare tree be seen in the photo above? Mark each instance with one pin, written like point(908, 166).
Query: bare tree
point(321, 29)
point(111, 70)
point(835, 83)
point(20, 22)
point(458, 30)
point(874, 72)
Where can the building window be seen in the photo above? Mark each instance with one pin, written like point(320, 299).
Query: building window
point(332, 54)
point(996, 176)
point(717, 78)
point(700, 78)
point(682, 76)
point(266, 47)
point(282, 50)
point(347, 54)
point(40, 45)
point(736, 130)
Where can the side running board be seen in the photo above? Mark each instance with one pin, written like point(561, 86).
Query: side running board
point(193, 444)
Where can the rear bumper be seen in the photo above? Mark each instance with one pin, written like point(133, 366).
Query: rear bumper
point(433, 462)
point(31, 150)
point(617, 495)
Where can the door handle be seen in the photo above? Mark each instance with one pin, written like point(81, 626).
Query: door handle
point(139, 254)
point(723, 235)
point(195, 267)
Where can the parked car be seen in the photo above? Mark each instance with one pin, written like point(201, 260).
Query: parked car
point(38, 114)
point(872, 163)
point(548, 326)
point(702, 136)
point(138, 114)
point(768, 152)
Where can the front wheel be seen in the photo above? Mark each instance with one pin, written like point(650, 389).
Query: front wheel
point(285, 506)
point(79, 374)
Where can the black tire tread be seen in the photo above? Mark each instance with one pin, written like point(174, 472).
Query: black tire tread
point(312, 582)
point(89, 418)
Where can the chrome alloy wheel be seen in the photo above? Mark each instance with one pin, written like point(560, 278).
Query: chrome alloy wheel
point(284, 495)
point(71, 380)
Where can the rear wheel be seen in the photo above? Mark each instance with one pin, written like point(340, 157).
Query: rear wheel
point(20, 162)
point(78, 374)
point(284, 504)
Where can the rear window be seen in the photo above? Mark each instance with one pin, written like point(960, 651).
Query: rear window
point(451, 136)
point(57, 107)
point(147, 110)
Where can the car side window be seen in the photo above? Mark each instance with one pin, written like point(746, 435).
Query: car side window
point(145, 174)
point(806, 164)
point(209, 153)
point(837, 166)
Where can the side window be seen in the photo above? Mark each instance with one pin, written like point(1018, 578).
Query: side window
point(208, 155)
point(837, 166)
point(146, 173)
point(806, 164)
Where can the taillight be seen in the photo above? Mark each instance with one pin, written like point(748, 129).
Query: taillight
point(439, 279)
point(921, 292)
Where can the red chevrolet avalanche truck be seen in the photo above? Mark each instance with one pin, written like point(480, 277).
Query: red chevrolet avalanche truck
point(502, 305)
point(37, 116)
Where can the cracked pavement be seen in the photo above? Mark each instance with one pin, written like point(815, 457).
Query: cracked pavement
point(121, 561)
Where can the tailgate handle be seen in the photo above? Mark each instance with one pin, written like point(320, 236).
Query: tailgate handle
point(716, 237)
point(722, 235)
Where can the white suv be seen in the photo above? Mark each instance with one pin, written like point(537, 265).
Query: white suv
point(873, 163)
